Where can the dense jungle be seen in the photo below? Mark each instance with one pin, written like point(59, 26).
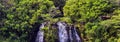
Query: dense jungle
point(59, 20)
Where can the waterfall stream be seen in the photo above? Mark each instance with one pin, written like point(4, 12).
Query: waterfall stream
point(71, 35)
point(75, 35)
point(40, 34)
point(64, 35)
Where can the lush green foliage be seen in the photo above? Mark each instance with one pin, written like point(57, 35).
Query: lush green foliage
point(21, 17)
point(87, 10)
point(97, 20)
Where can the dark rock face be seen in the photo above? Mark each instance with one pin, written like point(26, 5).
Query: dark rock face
point(32, 35)
point(59, 4)
point(105, 17)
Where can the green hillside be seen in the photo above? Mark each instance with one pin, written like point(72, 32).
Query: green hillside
point(95, 20)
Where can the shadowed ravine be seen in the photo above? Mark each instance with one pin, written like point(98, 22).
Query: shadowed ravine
point(70, 35)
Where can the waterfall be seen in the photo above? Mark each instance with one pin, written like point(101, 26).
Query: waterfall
point(77, 36)
point(73, 35)
point(40, 34)
point(70, 35)
point(63, 36)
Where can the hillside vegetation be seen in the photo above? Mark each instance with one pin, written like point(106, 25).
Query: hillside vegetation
point(95, 20)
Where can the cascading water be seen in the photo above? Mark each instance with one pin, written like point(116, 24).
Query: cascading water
point(76, 35)
point(70, 35)
point(63, 36)
point(40, 34)
point(73, 35)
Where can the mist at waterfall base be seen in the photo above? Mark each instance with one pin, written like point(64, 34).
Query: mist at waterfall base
point(70, 35)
